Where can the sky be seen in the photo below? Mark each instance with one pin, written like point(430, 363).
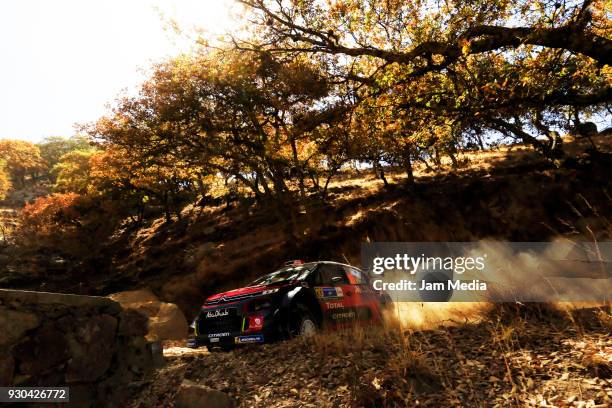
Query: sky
point(63, 61)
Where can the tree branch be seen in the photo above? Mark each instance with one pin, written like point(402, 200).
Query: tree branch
point(572, 36)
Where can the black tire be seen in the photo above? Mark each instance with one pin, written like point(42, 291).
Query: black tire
point(303, 322)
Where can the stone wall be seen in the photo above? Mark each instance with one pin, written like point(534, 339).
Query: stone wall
point(87, 343)
point(166, 320)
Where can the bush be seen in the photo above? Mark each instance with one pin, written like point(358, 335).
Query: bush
point(5, 183)
point(70, 224)
point(52, 214)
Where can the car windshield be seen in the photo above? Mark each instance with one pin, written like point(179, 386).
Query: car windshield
point(287, 273)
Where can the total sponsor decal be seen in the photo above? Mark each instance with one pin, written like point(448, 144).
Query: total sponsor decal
point(217, 313)
point(331, 292)
point(333, 305)
point(256, 338)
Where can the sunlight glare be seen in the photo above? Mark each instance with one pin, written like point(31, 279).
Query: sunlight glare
point(64, 60)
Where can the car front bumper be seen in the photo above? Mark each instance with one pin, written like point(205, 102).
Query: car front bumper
point(234, 329)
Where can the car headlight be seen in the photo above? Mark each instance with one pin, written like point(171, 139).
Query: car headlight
point(270, 291)
point(258, 305)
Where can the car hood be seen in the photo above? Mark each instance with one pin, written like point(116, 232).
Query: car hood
point(249, 290)
point(240, 293)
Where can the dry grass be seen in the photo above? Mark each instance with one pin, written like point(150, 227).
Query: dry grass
point(516, 336)
point(431, 315)
point(485, 161)
point(8, 223)
point(506, 356)
point(522, 337)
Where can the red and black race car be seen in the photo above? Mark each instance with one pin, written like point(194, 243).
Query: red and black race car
point(298, 299)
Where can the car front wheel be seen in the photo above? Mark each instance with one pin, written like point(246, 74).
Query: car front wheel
point(307, 327)
point(304, 324)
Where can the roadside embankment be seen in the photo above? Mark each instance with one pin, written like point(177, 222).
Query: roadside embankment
point(87, 343)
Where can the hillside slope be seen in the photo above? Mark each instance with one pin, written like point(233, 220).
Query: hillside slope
point(508, 194)
point(514, 196)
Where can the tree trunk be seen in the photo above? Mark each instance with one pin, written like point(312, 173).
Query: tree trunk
point(298, 168)
point(551, 151)
point(315, 180)
point(454, 162)
point(379, 172)
point(167, 208)
point(332, 172)
point(408, 165)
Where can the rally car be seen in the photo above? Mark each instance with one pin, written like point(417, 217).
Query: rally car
point(296, 300)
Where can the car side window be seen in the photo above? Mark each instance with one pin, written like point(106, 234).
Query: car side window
point(314, 279)
point(331, 274)
point(355, 276)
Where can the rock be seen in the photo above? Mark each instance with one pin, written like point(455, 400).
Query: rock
point(92, 349)
point(7, 368)
point(119, 391)
point(209, 230)
point(22, 380)
point(25, 297)
point(14, 324)
point(136, 363)
point(51, 378)
point(193, 395)
point(134, 296)
point(133, 323)
point(169, 324)
point(89, 343)
point(166, 320)
point(149, 309)
point(48, 347)
point(81, 395)
point(137, 356)
point(200, 252)
point(156, 351)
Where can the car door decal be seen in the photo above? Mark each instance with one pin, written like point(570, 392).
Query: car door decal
point(329, 292)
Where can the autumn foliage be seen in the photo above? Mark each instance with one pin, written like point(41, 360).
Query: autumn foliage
point(5, 182)
point(73, 226)
point(72, 171)
point(55, 213)
point(22, 159)
point(314, 87)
